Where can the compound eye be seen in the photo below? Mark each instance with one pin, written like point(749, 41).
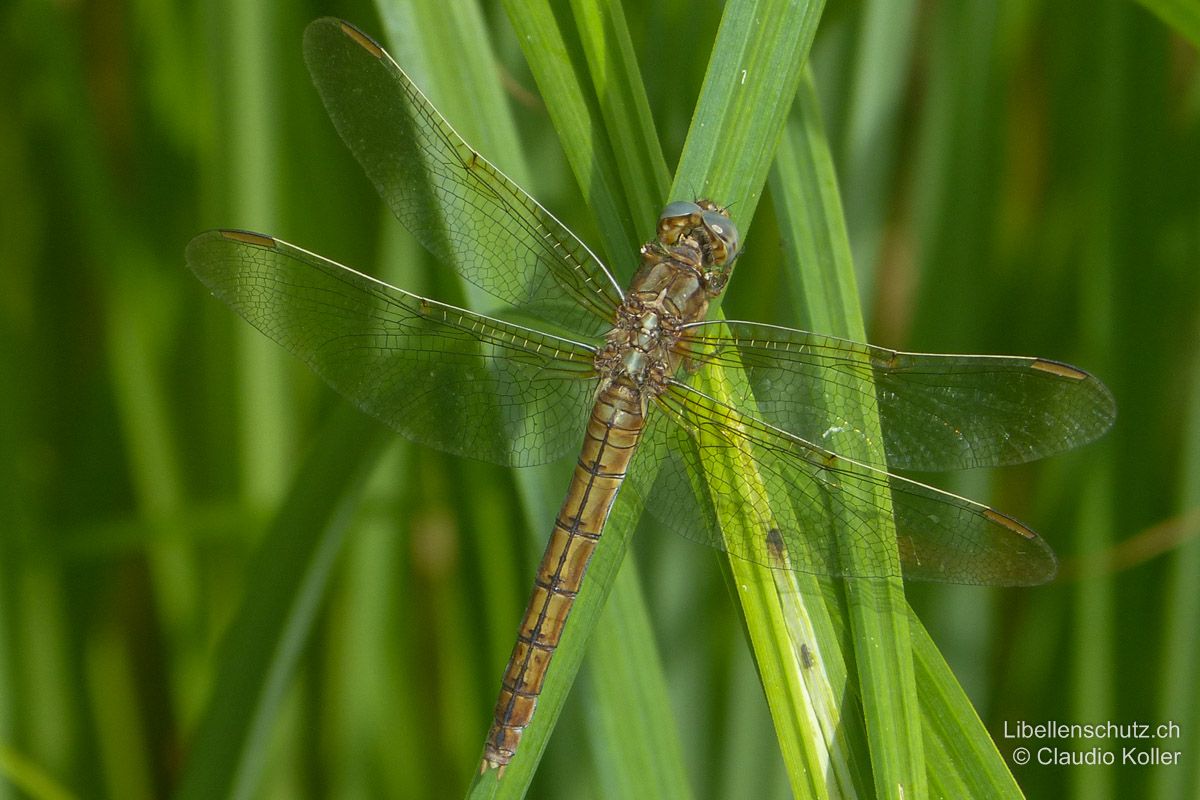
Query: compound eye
point(679, 208)
point(676, 220)
point(723, 233)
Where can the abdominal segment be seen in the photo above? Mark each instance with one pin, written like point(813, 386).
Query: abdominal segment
point(613, 431)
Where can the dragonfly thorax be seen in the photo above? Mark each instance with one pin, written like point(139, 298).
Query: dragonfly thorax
point(638, 351)
point(669, 291)
point(682, 270)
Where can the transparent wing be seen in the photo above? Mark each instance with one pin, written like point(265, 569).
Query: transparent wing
point(463, 209)
point(816, 500)
point(938, 412)
point(440, 375)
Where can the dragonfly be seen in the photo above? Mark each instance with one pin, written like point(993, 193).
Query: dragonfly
point(574, 362)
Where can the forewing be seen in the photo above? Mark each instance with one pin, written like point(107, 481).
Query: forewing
point(819, 504)
point(463, 209)
point(938, 412)
point(440, 375)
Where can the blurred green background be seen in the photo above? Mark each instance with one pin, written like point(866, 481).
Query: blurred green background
point(1018, 177)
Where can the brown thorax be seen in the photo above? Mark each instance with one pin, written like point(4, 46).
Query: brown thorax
point(681, 272)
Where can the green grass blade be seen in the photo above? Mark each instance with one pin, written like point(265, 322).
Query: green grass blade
point(752, 76)
point(868, 146)
point(424, 32)
point(961, 758)
point(568, 657)
point(734, 166)
point(1182, 15)
point(290, 570)
point(636, 744)
point(586, 144)
point(447, 50)
point(30, 778)
point(1095, 598)
point(577, 122)
point(265, 414)
point(804, 190)
point(625, 109)
point(828, 302)
point(1181, 648)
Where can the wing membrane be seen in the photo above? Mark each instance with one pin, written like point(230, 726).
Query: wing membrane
point(938, 412)
point(814, 499)
point(463, 209)
point(440, 375)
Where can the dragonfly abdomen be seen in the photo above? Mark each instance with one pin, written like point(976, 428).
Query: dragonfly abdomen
point(613, 431)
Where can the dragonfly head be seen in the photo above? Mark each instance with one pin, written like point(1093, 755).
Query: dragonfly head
point(709, 227)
